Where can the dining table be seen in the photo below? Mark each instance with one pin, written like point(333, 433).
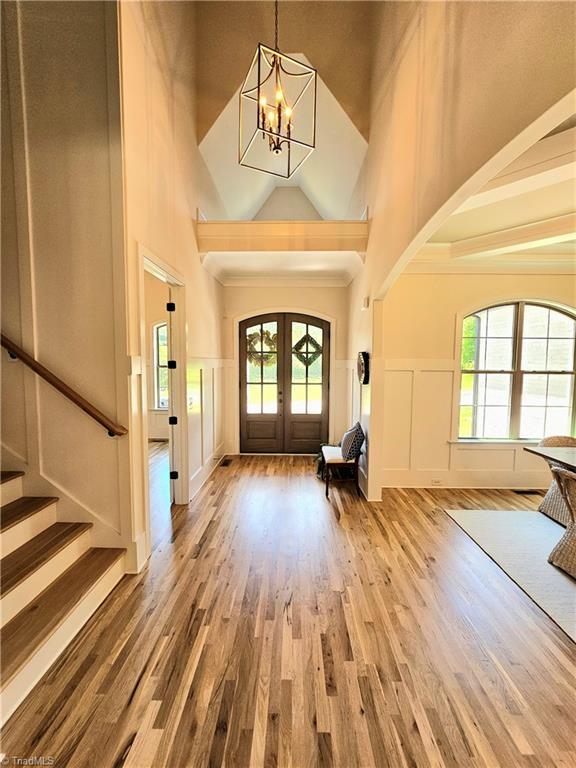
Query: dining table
point(566, 457)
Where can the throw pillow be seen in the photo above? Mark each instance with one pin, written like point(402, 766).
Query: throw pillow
point(352, 442)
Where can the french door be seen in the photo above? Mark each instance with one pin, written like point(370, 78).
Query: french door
point(284, 383)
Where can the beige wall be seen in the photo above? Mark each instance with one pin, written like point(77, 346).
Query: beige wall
point(161, 164)
point(156, 295)
point(454, 87)
point(62, 257)
point(417, 346)
point(329, 303)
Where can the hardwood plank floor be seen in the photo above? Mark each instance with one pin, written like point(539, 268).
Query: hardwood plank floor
point(272, 627)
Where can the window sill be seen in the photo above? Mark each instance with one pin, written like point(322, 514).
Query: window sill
point(493, 441)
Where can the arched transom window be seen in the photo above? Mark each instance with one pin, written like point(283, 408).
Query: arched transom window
point(518, 372)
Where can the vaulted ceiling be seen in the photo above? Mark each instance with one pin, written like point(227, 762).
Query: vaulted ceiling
point(335, 36)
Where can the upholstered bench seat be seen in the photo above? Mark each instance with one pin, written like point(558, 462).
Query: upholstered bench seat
point(333, 455)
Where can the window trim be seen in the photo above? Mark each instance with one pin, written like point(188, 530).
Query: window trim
point(516, 373)
point(157, 366)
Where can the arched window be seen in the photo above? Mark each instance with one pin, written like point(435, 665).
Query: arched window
point(160, 342)
point(518, 372)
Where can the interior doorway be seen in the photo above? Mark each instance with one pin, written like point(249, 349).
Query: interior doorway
point(284, 383)
point(164, 394)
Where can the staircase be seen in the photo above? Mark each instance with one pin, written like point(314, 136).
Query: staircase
point(51, 582)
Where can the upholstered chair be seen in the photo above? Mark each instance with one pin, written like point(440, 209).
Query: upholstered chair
point(553, 504)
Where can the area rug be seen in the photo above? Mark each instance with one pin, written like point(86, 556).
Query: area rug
point(520, 542)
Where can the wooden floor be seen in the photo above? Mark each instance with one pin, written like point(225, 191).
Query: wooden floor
point(272, 627)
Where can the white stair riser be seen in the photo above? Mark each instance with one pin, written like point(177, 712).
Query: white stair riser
point(22, 532)
point(36, 582)
point(11, 490)
point(21, 684)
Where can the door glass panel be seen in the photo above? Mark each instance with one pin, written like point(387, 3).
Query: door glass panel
point(254, 398)
point(314, 404)
point(298, 332)
point(253, 371)
point(315, 371)
point(298, 370)
point(298, 400)
point(254, 338)
point(269, 398)
point(270, 369)
point(270, 337)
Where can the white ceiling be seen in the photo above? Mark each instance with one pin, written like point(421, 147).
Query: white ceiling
point(328, 178)
point(334, 268)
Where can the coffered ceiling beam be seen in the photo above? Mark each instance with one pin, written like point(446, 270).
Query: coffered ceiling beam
point(535, 235)
point(550, 161)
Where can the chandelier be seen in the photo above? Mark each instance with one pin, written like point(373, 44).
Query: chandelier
point(277, 131)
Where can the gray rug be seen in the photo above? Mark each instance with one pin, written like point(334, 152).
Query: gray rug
point(520, 542)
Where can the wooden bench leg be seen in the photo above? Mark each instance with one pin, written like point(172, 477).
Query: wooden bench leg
point(327, 471)
point(358, 491)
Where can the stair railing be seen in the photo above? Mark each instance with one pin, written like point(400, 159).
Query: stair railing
point(113, 429)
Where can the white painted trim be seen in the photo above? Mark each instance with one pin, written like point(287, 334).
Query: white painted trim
point(237, 319)
point(11, 490)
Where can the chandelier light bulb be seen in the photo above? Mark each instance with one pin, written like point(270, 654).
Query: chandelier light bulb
point(288, 112)
point(262, 101)
point(278, 95)
point(271, 117)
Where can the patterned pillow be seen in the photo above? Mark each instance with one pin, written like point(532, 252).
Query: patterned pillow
point(352, 442)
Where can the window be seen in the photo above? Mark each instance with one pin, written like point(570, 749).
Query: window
point(517, 373)
point(161, 397)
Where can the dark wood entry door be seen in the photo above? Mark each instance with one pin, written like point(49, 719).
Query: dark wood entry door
point(284, 383)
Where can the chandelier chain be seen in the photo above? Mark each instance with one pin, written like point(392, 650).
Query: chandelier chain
point(276, 25)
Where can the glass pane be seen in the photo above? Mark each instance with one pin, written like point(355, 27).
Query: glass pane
point(496, 422)
point(314, 398)
point(557, 421)
point(481, 359)
point(501, 321)
point(535, 321)
point(561, 326)
point(298, 333)
point(162, 398)
point(298, 404)
point(316, 333)
point(534, 354)
point(467, 389)
point(270, 368)
point(270, 337)
point(560, 355)
point(466, 418)
point(298, 370)
point(162, 345)
point(532, 421)
point(254, 338)
point(499, 354)
point(497, 389)
point(253, 398)
point(560, 391)
point(470, 352)
point(253, 370)
point(270, 398)
point(470, 326)
point(534, 389)
point(315, 371)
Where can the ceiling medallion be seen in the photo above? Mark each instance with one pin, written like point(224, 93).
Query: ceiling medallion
point(277, 131)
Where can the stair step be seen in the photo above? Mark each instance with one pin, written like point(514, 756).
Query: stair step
point(20, 564)
point(24, 635)
point(8, 474)
point(17, 511)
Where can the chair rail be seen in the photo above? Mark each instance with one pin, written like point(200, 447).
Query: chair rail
point(113, 429)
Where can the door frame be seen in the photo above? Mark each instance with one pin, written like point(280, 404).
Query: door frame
point(236, 362)
point(149, 262)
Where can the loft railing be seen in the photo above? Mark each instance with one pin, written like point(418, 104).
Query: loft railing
point(113, 429)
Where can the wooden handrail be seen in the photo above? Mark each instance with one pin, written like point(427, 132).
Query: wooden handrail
point(113, 429)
